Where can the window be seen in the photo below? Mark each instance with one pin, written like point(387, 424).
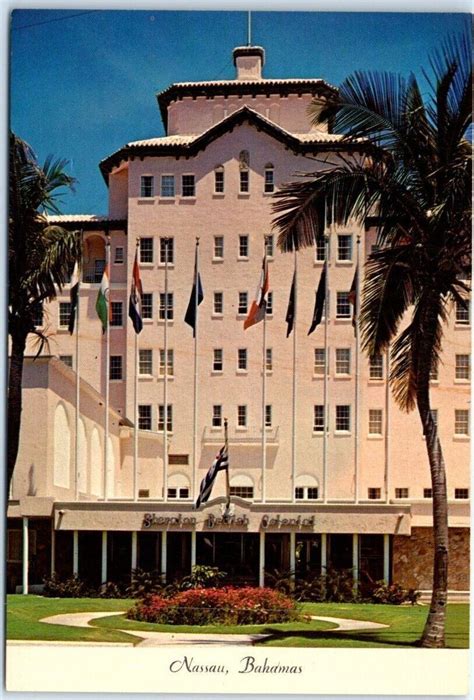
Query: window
point(167, 186)
point(243, 303)
point(269, 245)
point(242, 359)
point(306, 493)
point(218, 247)
point(116, 316)
point(147, 305)
point(434, 373)
point(269, 359)
point(219, 303)
point(268, 415)
point(269, 185)
point(343, 307)
point(343, 361)
point(401, 493)
point(376, 367)
point(166, 306)
point(344, 247)
point(373, 493)
point(319, 361)
point(463, 367)
point(145, 361)
point(64, 313)
point(14, 545)
point(115, 372)
point(118, 259)
point(463, 316)
point(147, 186)
point(343, 418)
point(170, 367)
point(461, 493)
point(318, 421)
point(461, 421)
point(181, 493)
point(178, 459)
point(37, 315)
point(218, 360)
point(219, 180)
point(243, 246)
point(269, 306)
point(188, 186)
point(217, 416)
point(375, 421)
point(242, 491)
point(161, 418)
point(320, 251)
point(166, 250)
point(146, 250)
point(434, 415)
point(144, 417)
point(242, 416)
point(427, 493)
point(244, 181)
point(67, 359)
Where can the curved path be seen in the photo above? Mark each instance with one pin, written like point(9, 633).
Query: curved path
point(155, 639)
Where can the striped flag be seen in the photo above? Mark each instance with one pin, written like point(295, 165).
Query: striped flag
point(74, 295)
point(221, 463)
point(319, 301)
point(135, 300)
point(290, 312)
point(259, 304)
point(191, 311)
point(102, 303)
point(353, 292)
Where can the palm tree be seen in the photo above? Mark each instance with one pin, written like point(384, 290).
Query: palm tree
point(40, 257)
point(408, 160)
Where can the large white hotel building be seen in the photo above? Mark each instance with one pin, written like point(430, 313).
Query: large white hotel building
point(356, 497)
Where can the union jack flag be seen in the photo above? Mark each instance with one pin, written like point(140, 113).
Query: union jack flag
point(221, 463)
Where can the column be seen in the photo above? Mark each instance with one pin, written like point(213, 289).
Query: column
point(25, 557)
point(163, 555)
point(103, 574)
point(53, 547)
point(261, 566)
point(324, 552)
point(193, 549)
point(75, 553)
point(355, 559)
point(386, 558)
point(293, 555)
point(134, 550)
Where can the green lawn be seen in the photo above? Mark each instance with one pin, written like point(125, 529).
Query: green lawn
point(406, 624)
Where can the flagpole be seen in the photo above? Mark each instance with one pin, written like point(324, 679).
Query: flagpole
point(357, 382)
point(196, 324)
point(293, 446)
point(227, 478)
point(135, 400)
point(387, 425)
point(326, 366)
point(107, 370)
point(165, 382)
point(264, 386)
point(78, 385)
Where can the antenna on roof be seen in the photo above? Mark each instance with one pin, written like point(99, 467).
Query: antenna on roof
point(249, 28)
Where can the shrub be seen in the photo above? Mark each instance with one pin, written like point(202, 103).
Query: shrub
point(72, 587)
point(144, 583)
point(393, 594)
point(228, 606)
point(202, 577)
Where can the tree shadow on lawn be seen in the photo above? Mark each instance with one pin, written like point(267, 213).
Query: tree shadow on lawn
point(369, 636)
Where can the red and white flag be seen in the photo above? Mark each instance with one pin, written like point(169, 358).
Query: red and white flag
point(259, 305)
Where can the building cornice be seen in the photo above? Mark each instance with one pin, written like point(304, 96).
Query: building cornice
point(88, 222)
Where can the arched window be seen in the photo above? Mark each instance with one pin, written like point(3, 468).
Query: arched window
point(219, 179)
point(96, 463)
point(82, 466)
point(306, 488)
point(178, 487)
point(110, 468)
point(94, 259)
point(241, 485)
point(62, 448)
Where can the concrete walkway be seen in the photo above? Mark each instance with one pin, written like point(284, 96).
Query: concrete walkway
point(158, 639)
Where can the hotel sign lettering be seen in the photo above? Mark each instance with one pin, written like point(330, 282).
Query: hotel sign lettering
point(279, 522)
point(150, 519)
point(213, 521)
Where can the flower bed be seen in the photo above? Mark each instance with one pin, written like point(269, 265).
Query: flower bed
point(228, 606)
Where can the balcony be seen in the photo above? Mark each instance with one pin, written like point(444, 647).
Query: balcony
point(240, 436)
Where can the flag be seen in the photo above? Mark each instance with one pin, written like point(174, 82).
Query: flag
point(190, 317)
point(353, 292)
point(135, 300)
point(290, 313)
point(220, 463)
point(74, 295)
point(319, 302)
point(102, 303)
point(259, 304)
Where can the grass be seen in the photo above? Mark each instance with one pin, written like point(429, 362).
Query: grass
point(405, 624)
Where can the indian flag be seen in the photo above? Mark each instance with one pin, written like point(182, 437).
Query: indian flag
point(102, 303)
point(259, 305)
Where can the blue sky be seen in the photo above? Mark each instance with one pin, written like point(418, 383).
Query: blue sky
point(83, 83)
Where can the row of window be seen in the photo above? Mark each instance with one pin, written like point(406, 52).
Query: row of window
point(374, 493)
point(167, 187)
point(342, 418)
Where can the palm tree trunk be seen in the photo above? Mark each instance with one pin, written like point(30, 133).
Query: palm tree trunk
point(14, 398)
point(433, 633)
